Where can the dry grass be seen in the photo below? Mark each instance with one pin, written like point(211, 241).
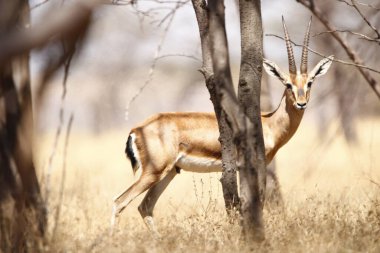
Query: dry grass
point(330, 203)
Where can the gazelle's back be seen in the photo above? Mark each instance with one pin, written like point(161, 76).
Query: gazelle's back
point(172, 134)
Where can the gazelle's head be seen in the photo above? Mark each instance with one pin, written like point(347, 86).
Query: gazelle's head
point(298, 84)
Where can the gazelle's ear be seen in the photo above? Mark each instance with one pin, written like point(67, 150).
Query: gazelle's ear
point(272, 69)
point(321, 67)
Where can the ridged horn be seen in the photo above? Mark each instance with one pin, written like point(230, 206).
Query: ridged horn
point(292, 63)
point(305, 50)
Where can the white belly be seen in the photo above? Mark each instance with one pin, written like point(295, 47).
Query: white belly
point(199, 164)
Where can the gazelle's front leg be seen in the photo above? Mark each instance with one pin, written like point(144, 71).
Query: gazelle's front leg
point(147, 205)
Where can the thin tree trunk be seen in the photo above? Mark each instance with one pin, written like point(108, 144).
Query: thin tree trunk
point(246, 134)
point(22, 212)
point(253, 176)
point(229, 179)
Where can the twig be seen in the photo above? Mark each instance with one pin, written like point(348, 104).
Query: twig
point(179, 55)
point(39, 4)
point(324, 56)
point(172, 12)
point(67, 64)
point(198, 200)
point(360, 3)
point(152, 67)
point(374, 182)
point(365, 19)
point(63, 177)
point(362, 36)
point(121, 2)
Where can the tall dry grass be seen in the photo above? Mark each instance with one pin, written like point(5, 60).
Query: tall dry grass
point(332, 202)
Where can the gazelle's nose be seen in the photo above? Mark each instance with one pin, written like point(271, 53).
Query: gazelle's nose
point(301, 105)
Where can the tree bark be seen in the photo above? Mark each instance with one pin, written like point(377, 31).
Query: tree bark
point(22, 212)
point(253, 176)
point(229, 179)
point(246, 132)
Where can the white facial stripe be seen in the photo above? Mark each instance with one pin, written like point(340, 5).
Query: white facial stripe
point(294, 90)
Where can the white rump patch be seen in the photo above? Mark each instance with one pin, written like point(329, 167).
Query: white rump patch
point(136, 152)
point(199, 164)
point(268, 139)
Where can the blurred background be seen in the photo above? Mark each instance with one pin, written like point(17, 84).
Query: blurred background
point(141, 59)
point(120, 50)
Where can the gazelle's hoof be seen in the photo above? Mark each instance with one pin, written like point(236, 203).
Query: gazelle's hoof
point(113, 220)
point(149, 222)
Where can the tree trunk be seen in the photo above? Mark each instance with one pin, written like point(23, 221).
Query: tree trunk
point(229, 179)
point(246, 130)
point(244, 119)
point(22, 213)
point(253, 174)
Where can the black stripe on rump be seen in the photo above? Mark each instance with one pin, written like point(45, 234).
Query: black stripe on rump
point(130, 154)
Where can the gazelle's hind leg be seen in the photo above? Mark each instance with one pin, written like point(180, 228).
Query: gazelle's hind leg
point(147, 205)
point(142, 184)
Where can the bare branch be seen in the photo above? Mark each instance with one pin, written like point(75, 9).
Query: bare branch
point(63, 177)
point(173, 11)
point(39, 4)
point(179, 55)
point(374, 182)
point(360, 3)
point(365, 19)
point(67, 64)
point(349, 50)
point(362, 36)
point(122, 2)
point(325, 56)
point(153, 65)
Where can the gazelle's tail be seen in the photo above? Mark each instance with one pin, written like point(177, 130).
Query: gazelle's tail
point(132, 152)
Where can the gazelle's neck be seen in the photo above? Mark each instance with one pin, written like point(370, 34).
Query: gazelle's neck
point(280, 125)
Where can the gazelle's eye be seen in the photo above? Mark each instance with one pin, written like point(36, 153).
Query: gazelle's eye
point(309, 84)
point(289, 86)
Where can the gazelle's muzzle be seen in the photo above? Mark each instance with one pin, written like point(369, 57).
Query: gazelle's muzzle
point(301, 100)
point(301, 105)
